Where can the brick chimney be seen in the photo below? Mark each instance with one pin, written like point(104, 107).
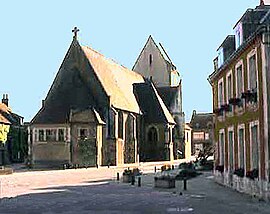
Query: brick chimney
point(264, 2)
point(5, 99)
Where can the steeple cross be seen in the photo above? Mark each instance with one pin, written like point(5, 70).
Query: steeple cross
point(75, 31)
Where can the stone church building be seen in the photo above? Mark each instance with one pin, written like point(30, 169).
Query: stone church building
point(97, 113)
point(153, 62)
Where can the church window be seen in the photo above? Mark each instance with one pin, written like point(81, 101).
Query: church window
point(50, 134)
point(150, 59)
point(61, 134)
point(111, 123)
point(83, 133)
point(120, 125)
point(152, 135)
point(41, 135)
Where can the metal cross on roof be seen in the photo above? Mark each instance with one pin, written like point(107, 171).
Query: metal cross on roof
point(75, 31)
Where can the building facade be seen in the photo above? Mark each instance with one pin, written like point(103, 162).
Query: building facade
point(202, 132)
point(99, 113)
point(241, 97)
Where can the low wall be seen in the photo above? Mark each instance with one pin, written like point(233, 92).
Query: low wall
point(256, 187)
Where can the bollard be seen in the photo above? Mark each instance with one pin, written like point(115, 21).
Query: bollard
point(185, 184)
point(172, 167)
point(132, 180)
point(155, 169)
point(118, 177)
point(139, 181)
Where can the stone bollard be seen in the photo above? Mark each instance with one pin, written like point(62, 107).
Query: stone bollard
point(172, 167)
point(185, 183)
point(139, 181)
point(132, 180)
point(117, 176)
point(155, 169)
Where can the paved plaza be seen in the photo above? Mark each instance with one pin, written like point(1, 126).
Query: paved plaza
point(98, 191)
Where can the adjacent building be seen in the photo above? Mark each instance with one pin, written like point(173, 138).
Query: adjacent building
point(202, 132)
point(98, 112)
point(154, 63)
point(13, 135)
point(241, 103)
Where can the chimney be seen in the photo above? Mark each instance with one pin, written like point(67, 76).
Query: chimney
point(5, 99)
point(261, 2)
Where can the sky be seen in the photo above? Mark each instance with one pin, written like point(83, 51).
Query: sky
point(35, 36)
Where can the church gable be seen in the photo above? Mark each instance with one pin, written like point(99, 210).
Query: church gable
point(154, 62)
point(70, 89)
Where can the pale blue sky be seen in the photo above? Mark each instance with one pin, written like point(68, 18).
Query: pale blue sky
point(35, 37)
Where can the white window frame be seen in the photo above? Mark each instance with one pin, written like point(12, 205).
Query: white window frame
point(231, 129)
point(250, 54)
point(227, 86)
point(221, 131)
point(222, 99)
point(252, 124)
point(241, 126)
point(240, 63)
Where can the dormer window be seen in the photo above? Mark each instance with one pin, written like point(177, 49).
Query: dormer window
point(238, 35)
point(220, 57)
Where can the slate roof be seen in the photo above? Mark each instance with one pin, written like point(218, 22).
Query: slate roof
point(256, 19)
point(167, 94)
point(201, 120)
point(151, 104)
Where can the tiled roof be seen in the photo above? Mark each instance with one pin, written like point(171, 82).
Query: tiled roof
point(116, 80)
point(5, 114)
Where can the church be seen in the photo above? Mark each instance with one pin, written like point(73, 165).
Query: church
point(154, 62)
point(98, 112)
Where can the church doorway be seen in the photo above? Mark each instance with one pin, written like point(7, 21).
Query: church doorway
point(87, 152)
point(152, 139)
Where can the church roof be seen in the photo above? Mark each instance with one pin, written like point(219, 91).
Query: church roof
point(152, 106)
point(167, 94)
point(76, 80)
point(116, 80)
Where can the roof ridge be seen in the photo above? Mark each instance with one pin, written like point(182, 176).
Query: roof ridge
point(113, 61)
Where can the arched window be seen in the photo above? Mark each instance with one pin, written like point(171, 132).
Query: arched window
point(120, 124)
point(152, 135)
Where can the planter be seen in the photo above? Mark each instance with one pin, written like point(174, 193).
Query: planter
point(164, 183)
point(127, 178)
